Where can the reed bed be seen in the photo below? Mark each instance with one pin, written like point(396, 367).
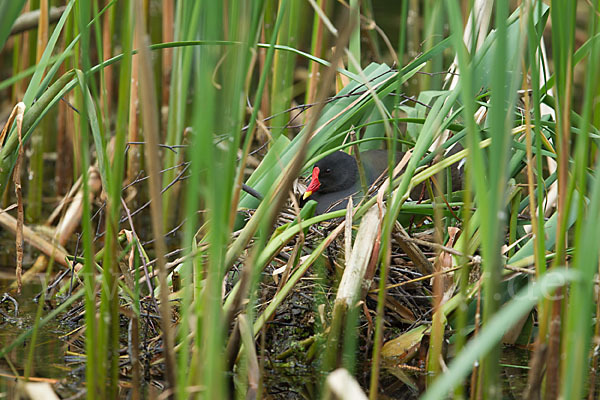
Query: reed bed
point(163, 146)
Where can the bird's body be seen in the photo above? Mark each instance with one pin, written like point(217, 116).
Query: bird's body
point(336, 177)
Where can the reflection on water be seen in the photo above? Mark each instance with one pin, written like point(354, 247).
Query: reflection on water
point(49, 353)
point(514, 362)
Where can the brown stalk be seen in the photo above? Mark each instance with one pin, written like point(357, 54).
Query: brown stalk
point(243, 153)
point(167, 54)
point(23, 57)
point(436, 339)
point(412, 250)
point(42, 37)
point(150, 123)
point(64, 146)
point(564, 138)
point(106, 94)
point(553, 360)
point(136, 365)
point(16, 115)
point(63, 170)
point(20, 109)
point(265, 103)
point(315, 67)
point(133, 154)
point(536, 371)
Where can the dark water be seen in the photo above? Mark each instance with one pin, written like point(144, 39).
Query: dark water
point(514, 370)
point(49, 351)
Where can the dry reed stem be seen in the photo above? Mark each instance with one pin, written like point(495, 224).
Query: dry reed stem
point(20, 110)
point(150, 124)
point(9, 222)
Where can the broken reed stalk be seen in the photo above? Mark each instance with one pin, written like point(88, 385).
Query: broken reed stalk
point(150, 123)
point(17, 115)
point(350, 287)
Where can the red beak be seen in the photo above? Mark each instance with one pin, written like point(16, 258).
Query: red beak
point(314, 184)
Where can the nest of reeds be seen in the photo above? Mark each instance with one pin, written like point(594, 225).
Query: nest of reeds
point(289, 341)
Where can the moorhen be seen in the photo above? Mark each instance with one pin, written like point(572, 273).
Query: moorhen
point(335, 178)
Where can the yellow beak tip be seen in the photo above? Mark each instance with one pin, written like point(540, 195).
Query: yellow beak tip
point(306, 195)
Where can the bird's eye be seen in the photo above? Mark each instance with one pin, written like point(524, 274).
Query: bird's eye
point(328, 170)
